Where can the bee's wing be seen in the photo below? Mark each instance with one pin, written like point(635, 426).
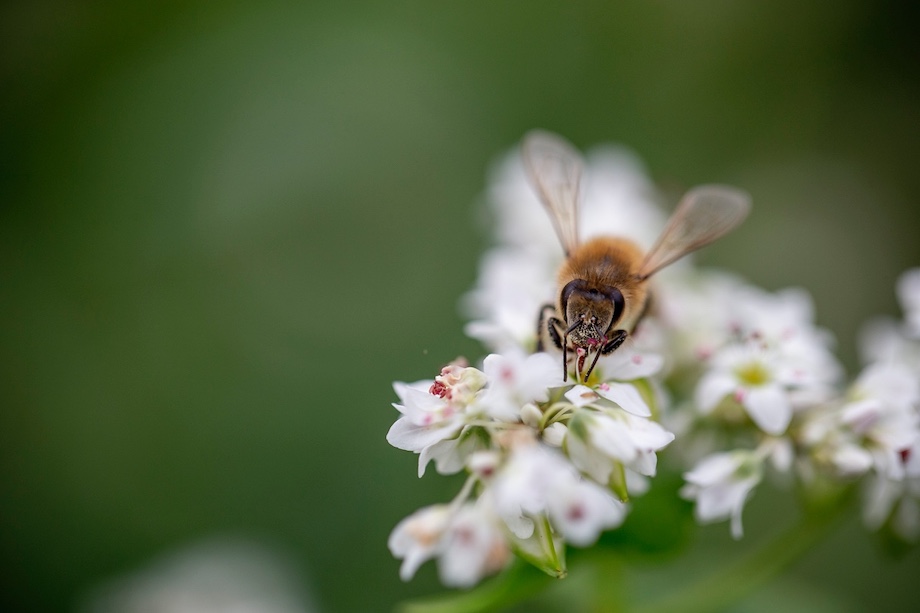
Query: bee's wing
point(705, 214)
point(555, 168)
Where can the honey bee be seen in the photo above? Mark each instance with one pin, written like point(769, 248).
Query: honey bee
point(603, 283)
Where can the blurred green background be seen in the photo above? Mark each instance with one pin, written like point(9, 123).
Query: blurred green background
point(225, 229)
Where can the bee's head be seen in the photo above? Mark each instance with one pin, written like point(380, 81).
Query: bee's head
point(590, 312)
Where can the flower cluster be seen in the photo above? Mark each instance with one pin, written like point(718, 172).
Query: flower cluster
point(741, 377)
point(547, 463)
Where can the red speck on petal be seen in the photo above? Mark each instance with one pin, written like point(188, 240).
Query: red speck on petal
point(905, 455)
point(740, 394)
point(507, 374)
point(637, 359)
point(465, 536)
point(703, 353)
point(603, 387)
point(576, 512)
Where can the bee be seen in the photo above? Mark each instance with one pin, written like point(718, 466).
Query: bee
point(603, 283)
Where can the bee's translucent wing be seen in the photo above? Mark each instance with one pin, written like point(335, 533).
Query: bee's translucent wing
point(555, 168)
point(705, 214)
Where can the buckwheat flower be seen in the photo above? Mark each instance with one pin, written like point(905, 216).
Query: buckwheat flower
point(580, 510)
point(435, 414)
point(696, 309)
point(720, 485)
point(600, 437)
point(909, 295)
point(512, 286)
point(473, 546)
point(896, 501)
point(783, 321)
point(751, 375)
point(885, 340)
point(427, 418)
point(883, 413)
point(831, 446)
point(538, 482)
point(417, 538)
point(516, 380)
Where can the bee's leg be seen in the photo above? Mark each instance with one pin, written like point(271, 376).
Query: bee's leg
point(614, 343)
point(551, 325)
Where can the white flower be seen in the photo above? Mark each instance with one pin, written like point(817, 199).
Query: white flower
point(467, 541)
point(434, 416)
point(512, 287)
point(537, 481)
point(473, 547)
point(516, 379)
point(751, 375)
point(427, 418)
point(720, 484)
point(697, 311)
point(884, 340)
point(896, 500)
point(884, 413)
point(909, 296)
point(417, 538)
point(599, 439)
point(581, 510)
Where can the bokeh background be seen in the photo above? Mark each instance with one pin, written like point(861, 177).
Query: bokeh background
point(227, 227)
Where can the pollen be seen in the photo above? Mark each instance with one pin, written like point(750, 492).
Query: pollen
point(753, 374)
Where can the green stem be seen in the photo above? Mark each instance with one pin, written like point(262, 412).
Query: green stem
point(729, 585)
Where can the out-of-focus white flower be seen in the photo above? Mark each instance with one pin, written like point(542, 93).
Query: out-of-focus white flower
point(696, 310)
point(896, 500)
point(883, 414)
point(474, 546)
point(512, 287)
point(467, 541)
point(417, 538)
point(720, 484)
point(909, 295)
point(215, 576)
point(751, 375)
point(884, 340)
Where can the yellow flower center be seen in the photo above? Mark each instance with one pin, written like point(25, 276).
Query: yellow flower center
point(753, 374)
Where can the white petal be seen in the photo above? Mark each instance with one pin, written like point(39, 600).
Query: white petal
point(625, 395)
point(628, 365)
point(769, 408)
point(581, 395)
point(405, 435)
point(614, 439)
point(596, 465)
point(712, 388)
